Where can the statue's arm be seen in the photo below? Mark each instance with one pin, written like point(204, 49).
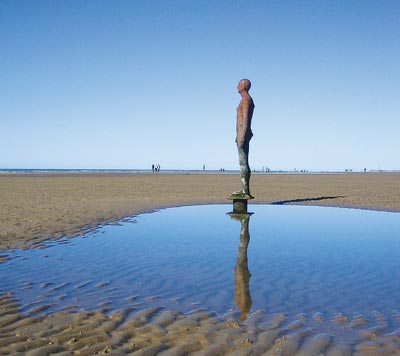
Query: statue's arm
point(242, 123)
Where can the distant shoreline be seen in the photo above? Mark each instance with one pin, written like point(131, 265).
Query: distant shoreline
point(172, 171)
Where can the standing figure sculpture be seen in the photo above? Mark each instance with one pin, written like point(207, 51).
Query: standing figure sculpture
point(243, 136)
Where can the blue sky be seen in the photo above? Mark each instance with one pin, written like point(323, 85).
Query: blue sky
point(124, 84)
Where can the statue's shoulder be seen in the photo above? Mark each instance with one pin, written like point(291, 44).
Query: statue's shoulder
point(247, 100)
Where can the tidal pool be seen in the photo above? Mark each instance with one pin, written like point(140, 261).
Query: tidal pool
point(281, 259)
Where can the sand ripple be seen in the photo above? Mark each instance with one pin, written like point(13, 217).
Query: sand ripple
point(158, 331)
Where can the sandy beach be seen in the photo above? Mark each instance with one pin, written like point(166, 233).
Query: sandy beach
point(38, 207)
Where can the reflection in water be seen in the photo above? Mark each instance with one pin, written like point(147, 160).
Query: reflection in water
point(315, 260)
point(242, 274)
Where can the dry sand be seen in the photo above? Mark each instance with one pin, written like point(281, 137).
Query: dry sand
point(36, 207)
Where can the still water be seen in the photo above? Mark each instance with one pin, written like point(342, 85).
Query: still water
point(288, 259)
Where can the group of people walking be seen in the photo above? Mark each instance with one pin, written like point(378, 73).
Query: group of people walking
point(155, 167)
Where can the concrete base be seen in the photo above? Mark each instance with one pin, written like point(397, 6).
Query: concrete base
point(240, 206)
point(240, 203)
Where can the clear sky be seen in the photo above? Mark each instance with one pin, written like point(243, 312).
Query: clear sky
point(124, 84)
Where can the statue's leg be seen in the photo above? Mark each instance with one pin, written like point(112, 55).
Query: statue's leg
point(244, 168)
point(247, 170)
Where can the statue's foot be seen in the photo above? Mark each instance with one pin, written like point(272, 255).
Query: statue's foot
point(242, 194)
point(239, 193)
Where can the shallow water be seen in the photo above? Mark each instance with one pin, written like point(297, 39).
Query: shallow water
point(282, 259)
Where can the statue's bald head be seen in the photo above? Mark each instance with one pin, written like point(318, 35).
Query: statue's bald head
point(244, 84)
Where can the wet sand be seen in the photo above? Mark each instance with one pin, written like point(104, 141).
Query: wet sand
point(37, 207)
point(156, 331)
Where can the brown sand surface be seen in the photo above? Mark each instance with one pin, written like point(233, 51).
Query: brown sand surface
point(38, 207)
point(156, 331)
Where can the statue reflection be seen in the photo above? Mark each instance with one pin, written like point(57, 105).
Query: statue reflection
point(242, 275)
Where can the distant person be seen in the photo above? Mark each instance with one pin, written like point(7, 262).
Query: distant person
point(244, 135)
point(152, 167)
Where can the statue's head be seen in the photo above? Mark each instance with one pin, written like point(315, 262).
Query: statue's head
point(244, 85)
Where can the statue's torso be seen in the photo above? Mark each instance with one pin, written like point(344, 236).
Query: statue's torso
point(246, 101)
